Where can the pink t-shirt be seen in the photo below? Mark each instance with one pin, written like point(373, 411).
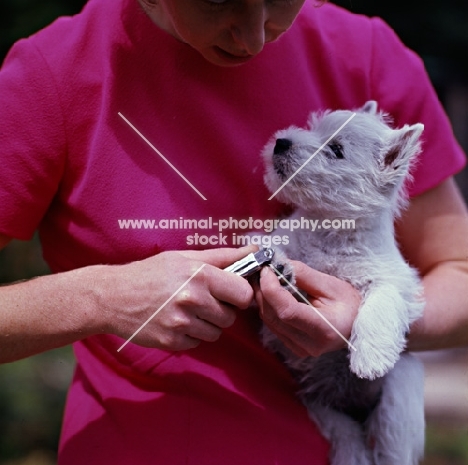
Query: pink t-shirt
point(72, 167)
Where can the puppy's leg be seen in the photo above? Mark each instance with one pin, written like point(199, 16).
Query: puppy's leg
point(283, 269)
point(396, 426)
point(346, 437)
point(378, 334)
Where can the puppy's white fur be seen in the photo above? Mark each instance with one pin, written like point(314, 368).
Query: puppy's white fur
point(369, 401)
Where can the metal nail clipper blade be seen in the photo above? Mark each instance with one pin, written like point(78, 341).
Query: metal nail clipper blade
point(252, 262)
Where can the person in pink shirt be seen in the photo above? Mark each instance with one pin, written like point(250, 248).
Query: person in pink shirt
point(206, 83)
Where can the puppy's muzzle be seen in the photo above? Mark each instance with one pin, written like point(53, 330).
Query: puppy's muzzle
point(282, 146)
point(281, 158)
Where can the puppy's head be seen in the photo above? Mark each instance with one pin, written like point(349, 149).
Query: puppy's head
point(356, 170)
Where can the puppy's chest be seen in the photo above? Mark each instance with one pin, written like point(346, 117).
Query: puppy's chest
point(345, 259)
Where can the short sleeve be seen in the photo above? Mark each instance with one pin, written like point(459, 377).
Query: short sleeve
point(402, 87)
point(32, 140)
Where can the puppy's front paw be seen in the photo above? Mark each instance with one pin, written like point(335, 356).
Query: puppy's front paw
point(370, 361)
point(283, 269)
point(378, 333)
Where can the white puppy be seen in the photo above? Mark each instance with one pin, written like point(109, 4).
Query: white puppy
point(368, 399)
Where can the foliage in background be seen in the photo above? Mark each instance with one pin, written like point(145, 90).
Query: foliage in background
point(22, 260)
point(32, 395)
point(32, 391)
point(21, 18)
point(446, 444)
point(437, 30)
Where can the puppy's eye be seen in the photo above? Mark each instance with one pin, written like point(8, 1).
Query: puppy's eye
point(337, 149)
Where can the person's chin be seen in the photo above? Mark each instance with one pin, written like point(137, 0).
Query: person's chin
point(220, 57)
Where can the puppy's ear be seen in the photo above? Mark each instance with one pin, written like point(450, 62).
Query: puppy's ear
point(369, 107)
point(401, 148)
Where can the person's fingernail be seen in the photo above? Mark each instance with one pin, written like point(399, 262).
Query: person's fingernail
point(264, 271)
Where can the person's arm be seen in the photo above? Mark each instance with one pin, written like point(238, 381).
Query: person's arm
point(56, 310)
point(433, 234)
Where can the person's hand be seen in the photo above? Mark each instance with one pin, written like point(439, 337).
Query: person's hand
point(198, 312)
point(296, 324)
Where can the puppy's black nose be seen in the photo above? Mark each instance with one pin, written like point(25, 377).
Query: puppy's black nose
point(282, 146)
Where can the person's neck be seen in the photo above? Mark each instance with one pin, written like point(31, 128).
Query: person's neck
point(155, 13)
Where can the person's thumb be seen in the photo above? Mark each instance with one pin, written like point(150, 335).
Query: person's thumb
point(314, 282)
point(220, 258)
